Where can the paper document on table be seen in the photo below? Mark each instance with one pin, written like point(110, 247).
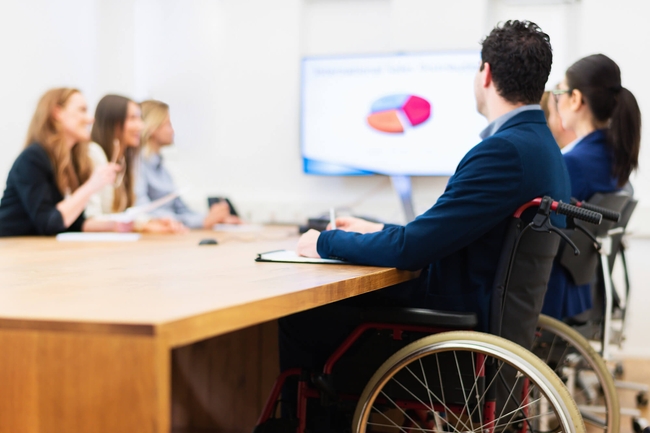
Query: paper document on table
point(131, 213)
point(288, 256)
point(98, 237)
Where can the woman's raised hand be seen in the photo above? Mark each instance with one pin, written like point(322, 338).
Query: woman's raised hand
point(102, 176)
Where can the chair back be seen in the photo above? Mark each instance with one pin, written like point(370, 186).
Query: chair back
point(617, 238)
point(583, 268)
point(520, 284)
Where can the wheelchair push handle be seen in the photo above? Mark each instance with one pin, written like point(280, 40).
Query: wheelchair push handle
point(547, 204)
point(607, 214)
point(579, 213)
point(542, 221)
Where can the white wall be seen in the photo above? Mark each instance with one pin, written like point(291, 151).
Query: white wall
point(219, 62)
point(38, 52)
point(215, 62)
point(47, 44)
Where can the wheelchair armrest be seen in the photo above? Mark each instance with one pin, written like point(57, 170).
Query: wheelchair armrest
point(420, 317)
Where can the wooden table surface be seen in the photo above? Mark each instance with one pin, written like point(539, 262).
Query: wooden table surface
point(166, 284)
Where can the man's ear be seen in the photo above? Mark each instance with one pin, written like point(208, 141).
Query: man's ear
point(486, 75)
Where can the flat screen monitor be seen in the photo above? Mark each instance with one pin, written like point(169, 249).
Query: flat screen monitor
point(397, 114)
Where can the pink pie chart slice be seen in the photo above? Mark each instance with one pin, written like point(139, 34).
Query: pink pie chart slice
point(417, 110)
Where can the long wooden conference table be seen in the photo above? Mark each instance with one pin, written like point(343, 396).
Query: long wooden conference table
point(159, 335)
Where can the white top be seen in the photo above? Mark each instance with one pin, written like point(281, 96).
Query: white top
point(569, 147)
point(100, 203)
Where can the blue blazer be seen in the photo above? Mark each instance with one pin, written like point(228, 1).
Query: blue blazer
point(459, 239)
point(590, 165)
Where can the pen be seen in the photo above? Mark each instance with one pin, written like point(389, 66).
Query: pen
point(332, 219)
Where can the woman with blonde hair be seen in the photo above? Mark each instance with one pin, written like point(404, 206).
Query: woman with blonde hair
point(154, 181)
point(116, 138)
point(52, 180)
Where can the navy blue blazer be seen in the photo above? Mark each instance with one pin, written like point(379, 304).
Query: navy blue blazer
point(28, 206)
point(459, 239)
point(590, 165)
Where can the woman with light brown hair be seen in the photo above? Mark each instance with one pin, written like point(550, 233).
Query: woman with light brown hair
point(51, 181)
point(116, 139)
point(155, 182)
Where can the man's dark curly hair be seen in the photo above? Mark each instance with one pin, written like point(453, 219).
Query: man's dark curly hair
point(520, 57)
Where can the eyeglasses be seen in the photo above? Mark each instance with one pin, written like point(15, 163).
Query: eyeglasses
point(557, 92)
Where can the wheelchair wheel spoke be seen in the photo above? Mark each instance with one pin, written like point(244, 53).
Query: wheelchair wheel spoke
point(511, 414)
point(475, 389)
point(498, 372)
point(510, 398)
point(406, 415)
point(426, 384)
point(462, 387)
point(394, 424)
point(431, 393)
point(528, 419)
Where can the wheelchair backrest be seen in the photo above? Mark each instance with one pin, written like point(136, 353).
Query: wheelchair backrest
point(521, 281)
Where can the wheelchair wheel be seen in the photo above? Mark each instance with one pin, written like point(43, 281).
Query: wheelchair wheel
point(465, 381)
point(583, 370)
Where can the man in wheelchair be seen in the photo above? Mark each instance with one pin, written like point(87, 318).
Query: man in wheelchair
point(458, 241)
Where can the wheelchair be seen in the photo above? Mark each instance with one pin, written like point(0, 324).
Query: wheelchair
point(414, 370)
point(569, 349)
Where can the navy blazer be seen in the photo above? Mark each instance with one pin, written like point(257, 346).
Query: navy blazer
point(28, 206)
point(590, 165)
point(459, 239)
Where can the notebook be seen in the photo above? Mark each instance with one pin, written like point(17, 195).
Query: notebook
point(288, 256)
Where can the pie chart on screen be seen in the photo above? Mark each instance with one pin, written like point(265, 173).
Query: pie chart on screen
point(394, 114)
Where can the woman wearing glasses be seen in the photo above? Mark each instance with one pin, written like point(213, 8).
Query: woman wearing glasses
point(605, 117)
point(564, 138)
point(52, 180)
point(116, 139)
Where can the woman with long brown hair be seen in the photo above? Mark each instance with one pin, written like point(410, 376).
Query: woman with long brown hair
point(605, 116)
point(116, 139)
point(51, 181)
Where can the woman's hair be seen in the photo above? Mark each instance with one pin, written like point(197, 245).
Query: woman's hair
point(599, 80)
point(110, 116)
point(154, 113)
point(71, 167)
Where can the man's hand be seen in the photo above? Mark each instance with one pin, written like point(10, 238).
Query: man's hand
point(358, 225)
point(307, 244)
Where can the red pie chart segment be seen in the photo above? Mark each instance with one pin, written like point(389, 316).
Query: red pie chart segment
point(417, 110)
point(393, 114)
